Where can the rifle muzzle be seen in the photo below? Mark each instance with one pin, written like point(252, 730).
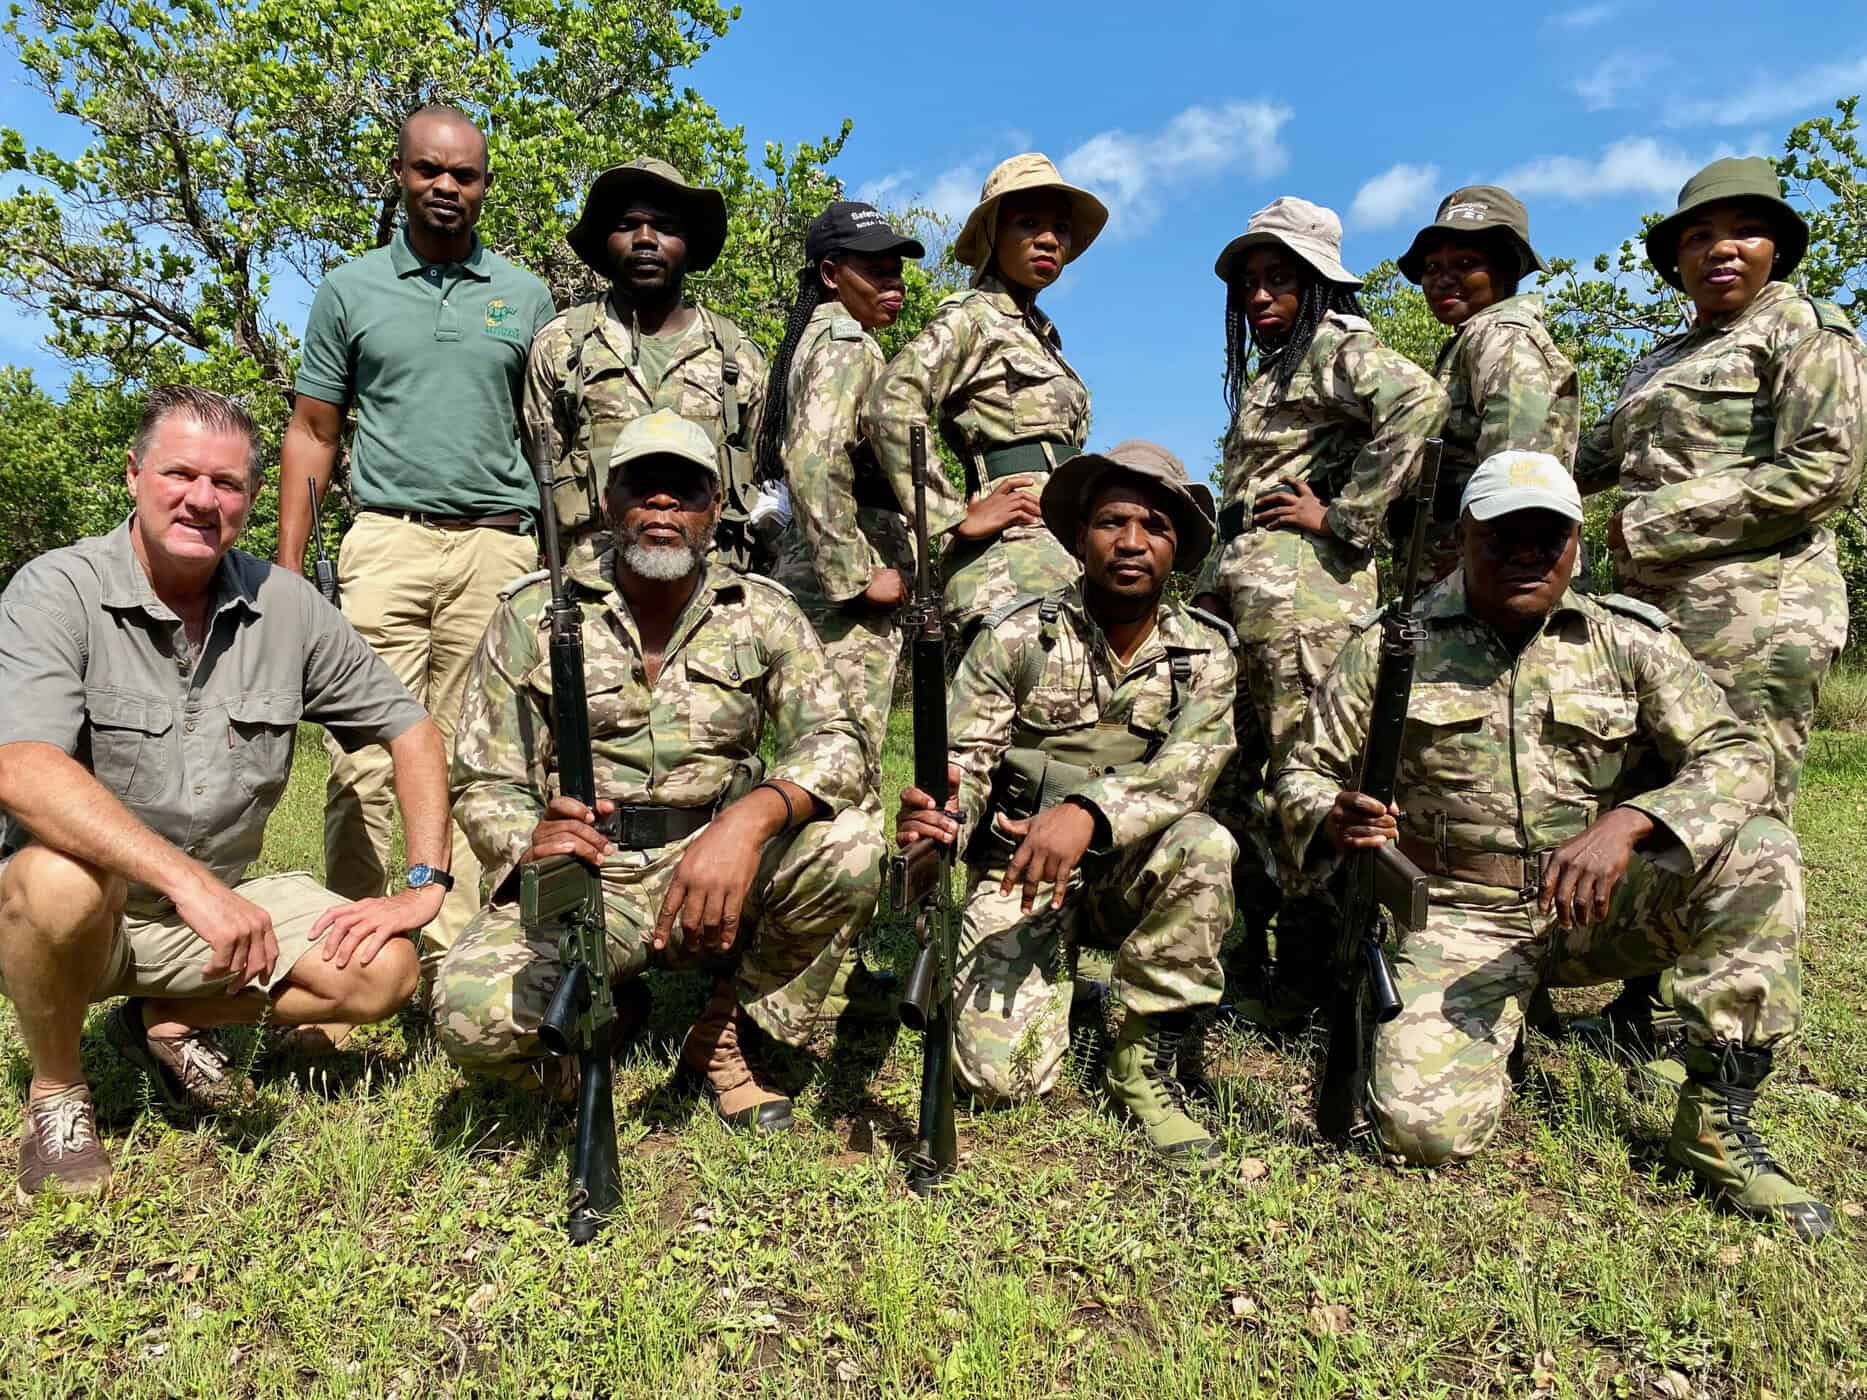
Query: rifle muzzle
point(559, 1029)
point(917, 993)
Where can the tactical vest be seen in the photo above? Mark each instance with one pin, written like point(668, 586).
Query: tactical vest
point(1042, 767)
point(580, 499)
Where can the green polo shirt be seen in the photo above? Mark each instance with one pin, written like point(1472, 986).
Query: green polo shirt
point(433, 357)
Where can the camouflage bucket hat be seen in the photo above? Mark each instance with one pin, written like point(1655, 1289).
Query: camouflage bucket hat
point(1031, 171)
point(1072, 485)
point(664, 433)
point(1310, 231)
point(702, 210)
point(1735, 177)
point(1478, 214)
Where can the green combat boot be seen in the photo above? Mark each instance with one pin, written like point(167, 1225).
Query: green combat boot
point(1713, 1138)
point(1141, 1079)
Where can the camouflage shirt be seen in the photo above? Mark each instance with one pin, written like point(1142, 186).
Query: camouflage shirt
point(1026, 680)
point(594, 336)
point(1735, 438)
point(991, 376)
point(1517, 754)
point(1351, 424)
point(741, 657)
point(835, 544)
point(1508, 387)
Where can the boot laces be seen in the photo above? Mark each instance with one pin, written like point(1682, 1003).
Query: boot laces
point(65, 1127)
point(1166, 1071)
point(198, 1061)
point(1750, 1146)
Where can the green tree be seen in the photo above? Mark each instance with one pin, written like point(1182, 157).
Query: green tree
point(61, 465)
point(1401, 316)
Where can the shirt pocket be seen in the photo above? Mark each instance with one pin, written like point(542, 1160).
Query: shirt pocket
point(261, 730)
point(127, 743)
point(725, 685)
point(1042, 396)
point(1448, 741)
point(1711, 405)
point(1591, 733)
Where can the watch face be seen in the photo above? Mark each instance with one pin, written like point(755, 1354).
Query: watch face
point(419, 875)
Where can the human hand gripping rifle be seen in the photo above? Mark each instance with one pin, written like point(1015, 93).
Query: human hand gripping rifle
point(324, 571)
point(921, 877)
point(1380, 877)
point(562, 897)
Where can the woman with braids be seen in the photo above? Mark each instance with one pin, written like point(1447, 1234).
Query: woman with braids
point(1509, 386)
point(1327, 426)
point(989, 371)
point(846, 551)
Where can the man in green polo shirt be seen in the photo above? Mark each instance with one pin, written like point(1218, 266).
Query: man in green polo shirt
point(426, 339)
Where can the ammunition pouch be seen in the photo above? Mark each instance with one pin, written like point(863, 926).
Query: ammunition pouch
point(1028, 781)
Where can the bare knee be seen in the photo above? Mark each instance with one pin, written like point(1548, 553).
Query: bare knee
point(379, 990)
point(60, 899)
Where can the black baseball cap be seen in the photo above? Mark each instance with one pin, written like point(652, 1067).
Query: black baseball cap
point(850, 227)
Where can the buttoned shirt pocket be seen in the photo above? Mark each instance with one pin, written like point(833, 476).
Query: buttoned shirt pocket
point(1448, 738)
point(129, 753)
point(724, 683)
point(261, 730)
point(1590, 735)
point(1042, 395)
point(1711, 404)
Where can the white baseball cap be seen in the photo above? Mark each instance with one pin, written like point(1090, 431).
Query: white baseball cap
point(1513, 480)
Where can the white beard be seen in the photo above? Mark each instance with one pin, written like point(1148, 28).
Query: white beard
point(664, 563)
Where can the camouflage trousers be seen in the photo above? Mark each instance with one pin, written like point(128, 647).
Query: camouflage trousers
point(865, 652)
point(1164, 906)
point(985, 575)
point(1294, 598)
point(1729, 933)
point(1767, 629)
point(814, 890)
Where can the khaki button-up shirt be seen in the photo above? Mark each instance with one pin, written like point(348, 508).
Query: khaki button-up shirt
point(199, 749)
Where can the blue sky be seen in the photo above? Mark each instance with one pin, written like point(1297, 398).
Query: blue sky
point(1187, 117)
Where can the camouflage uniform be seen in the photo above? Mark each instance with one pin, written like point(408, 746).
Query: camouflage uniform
point(1509, 757)
point(995, 378)
point(1351, 425)
point(741, 660)
point(593, 338)
point(835, 542)
point(1508, 386)
point(1733, 444)
point(1161, 894)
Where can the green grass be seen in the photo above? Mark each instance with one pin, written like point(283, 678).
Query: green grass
point(1842, 704)
point(381, 1228)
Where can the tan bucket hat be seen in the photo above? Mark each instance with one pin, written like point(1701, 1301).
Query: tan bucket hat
point(702, 209)
point(1310, 231)
point(1030, 171)
point(1189, 502)
point(1478, 213)
point(1734, 177)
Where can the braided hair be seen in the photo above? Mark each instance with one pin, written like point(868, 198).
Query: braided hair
point(767, 453)
point(1318, 298)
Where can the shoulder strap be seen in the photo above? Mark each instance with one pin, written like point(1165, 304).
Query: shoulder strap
point(1831, 317)
point(1634, 608)
point(731, 421)
point(1217, 624)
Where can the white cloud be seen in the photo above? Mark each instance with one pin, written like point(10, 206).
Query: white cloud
point(1392, 195)
point(1608, 83)
point(1771, 97)
point(1133, 174)
point(1584, 16)
point(1635, 165)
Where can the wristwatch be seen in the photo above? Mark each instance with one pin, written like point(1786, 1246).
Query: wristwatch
point(420, 876)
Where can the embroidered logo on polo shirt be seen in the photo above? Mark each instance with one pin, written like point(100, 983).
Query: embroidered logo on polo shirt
point(498, 318)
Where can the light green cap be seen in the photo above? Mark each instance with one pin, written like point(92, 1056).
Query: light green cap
point(1515, 480)
point(664, 433)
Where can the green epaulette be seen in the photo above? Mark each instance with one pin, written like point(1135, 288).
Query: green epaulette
point(1634, 608)
point(1832, 318)
point(845, 328)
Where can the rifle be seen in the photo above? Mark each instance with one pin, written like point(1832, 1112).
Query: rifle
point(922, 875)
point(565, 895)
point(323, 570)
point(1383, 876)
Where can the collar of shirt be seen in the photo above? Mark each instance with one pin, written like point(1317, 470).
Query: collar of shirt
point(1771, 293)
point(598, 577)
point(1446, 602)
point(126, 584)
point(408, 262)
point(618, 327)
point(1152, 648)
point(1000, 296)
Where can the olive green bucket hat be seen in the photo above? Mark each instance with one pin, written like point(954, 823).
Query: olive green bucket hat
point(1478, 214)
point(1310, 231)
point(1072, 486)
point(702, 211)
point(1734, 177)
point(1030, 171)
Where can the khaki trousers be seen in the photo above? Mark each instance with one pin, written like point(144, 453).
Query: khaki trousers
point(421, 596)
